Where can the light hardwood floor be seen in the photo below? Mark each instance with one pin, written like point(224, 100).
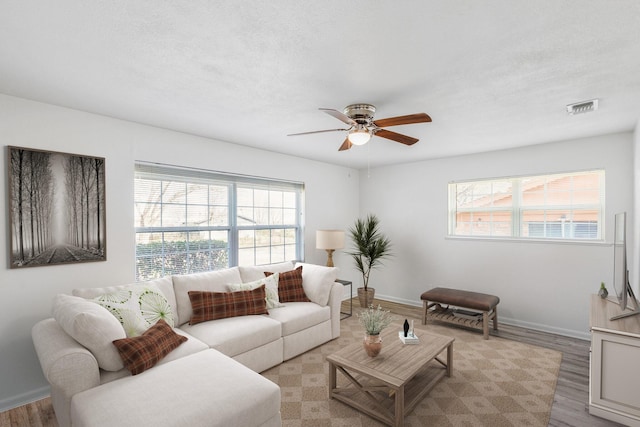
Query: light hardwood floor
point(569, 406)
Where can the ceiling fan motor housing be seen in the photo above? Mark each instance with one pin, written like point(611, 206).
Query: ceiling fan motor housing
point(360, 113)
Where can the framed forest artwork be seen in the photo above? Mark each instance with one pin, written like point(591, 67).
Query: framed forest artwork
point(57, 209)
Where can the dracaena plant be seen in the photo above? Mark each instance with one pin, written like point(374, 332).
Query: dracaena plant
point(371, 247)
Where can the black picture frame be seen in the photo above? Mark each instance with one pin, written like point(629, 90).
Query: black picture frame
point(57, 208)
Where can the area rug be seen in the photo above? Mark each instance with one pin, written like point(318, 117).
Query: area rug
point(495, 382)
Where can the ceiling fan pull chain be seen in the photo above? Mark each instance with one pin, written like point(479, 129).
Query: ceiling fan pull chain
point(368, 161)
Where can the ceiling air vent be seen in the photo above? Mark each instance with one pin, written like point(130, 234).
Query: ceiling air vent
point(582, 107)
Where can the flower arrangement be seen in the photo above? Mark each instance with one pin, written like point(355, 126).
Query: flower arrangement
point(374, 320)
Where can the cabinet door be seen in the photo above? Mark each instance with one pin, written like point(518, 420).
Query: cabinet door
point(615, 378)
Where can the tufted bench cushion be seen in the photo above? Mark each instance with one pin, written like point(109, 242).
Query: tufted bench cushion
point(485, 303)
point(466, 299)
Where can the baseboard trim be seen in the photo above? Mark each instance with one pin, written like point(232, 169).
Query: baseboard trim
point(507, 321)
point(24, 398)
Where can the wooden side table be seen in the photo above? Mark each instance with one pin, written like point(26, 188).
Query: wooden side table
point(344, 315)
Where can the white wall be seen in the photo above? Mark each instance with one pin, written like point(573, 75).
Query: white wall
point(26, 294)
point(545, 286)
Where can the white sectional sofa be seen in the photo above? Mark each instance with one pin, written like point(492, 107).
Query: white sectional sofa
point(210, 379)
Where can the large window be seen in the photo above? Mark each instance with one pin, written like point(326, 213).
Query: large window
point(567, 206)
point(190, 220)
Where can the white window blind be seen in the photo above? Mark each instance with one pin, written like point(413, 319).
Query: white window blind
point(567, 206)
point(190, 220)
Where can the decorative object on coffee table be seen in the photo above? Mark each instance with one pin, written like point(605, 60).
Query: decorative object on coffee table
point(374, 320)
point(371, 247)
point(405, 327)
point(372, 344)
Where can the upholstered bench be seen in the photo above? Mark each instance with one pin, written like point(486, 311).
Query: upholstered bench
point(484, 303)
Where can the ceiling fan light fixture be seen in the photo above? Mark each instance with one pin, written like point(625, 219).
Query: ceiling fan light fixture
point(359, 136)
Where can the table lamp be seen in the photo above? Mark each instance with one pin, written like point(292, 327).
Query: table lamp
point(329, 240)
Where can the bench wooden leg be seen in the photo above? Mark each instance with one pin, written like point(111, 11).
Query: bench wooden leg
point(485, 324)
point(424, 311)
point(495, 318)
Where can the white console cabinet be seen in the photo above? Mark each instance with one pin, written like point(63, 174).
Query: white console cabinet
point(614, 375)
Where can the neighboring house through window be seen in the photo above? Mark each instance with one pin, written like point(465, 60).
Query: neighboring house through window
point(189, 220)
point(568, 206)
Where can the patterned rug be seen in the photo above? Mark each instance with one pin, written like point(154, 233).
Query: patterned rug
point(495, 382)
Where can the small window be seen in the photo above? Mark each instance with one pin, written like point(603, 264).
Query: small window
point(192, 220)
point(566, 206)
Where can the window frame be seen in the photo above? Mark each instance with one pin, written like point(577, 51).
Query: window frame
point(163, 172)
point(518, 207)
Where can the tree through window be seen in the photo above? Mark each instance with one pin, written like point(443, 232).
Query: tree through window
point(193, 220)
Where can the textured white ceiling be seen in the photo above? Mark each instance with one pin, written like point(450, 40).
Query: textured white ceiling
point(492, 74)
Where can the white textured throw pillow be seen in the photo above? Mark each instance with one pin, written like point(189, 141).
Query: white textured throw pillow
point(137, 307)
point(271, 288)
point(92, 326)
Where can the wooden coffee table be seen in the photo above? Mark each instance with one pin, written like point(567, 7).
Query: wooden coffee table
point(390, 385)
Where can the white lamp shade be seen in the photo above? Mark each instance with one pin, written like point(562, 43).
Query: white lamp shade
point(329, 239)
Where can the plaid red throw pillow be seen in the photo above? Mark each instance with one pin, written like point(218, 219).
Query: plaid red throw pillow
point(218, 305)
point(143, 352)
point(290, 286)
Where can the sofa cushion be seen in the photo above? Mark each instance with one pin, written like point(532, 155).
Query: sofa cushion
point(137, 307)
point(165, 284)
point(209, 281)
point(92, 326)
point(317, 281)
point(255, 272)
point(220, 305)
point(290, 286)
point(297, 316)
point(271, 288)
point(236, 335)
point(141, 353)
point(203, 389)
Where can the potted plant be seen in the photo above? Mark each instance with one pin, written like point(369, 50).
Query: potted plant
point(374, 320)
point(371, 247)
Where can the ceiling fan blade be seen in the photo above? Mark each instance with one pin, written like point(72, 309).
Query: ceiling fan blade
point(340, 116)
point(316, 131)
point(345, 145)
point(403, 120)
point(398, 137)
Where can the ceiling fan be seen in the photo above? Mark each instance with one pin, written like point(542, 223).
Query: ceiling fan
point(362, 126)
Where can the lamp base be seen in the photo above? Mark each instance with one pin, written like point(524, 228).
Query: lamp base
point(330, 257)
